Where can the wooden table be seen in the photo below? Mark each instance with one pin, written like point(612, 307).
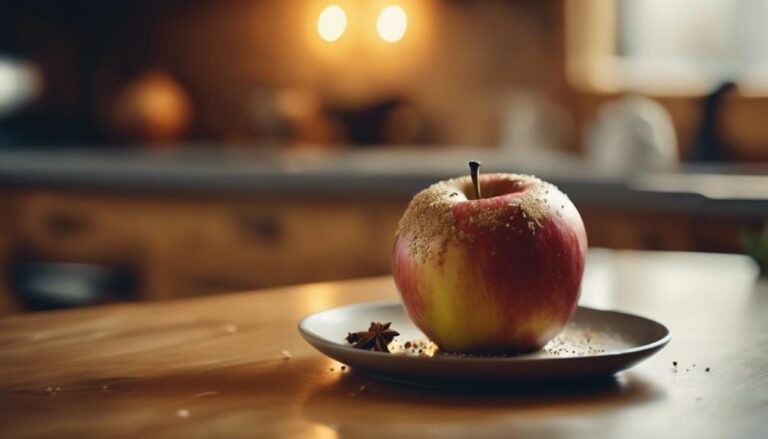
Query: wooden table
point(214, 367)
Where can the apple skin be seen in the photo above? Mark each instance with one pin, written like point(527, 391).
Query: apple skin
point(501, 274)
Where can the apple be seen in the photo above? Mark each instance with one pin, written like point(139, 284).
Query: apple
point(491, 263)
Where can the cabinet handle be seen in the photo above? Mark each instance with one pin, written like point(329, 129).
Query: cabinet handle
point(263, 228)
point(65, 225)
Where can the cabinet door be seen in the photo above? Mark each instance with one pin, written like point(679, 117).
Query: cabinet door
point(8, 220)
point(260, 243)
point(192, 245)
point(79, 227)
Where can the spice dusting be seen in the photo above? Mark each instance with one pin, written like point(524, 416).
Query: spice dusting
point(429, 224)
point(532, 206)
point(428, 217)
point(574, 341)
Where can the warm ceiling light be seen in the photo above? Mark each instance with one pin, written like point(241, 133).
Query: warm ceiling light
point(391, 24)
point(331, 23)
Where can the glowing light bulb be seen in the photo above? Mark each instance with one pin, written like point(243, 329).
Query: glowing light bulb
point(392, 23)
point(331, 23)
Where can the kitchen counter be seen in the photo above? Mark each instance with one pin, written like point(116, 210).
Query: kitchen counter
point(713, 191)
point(215, 367)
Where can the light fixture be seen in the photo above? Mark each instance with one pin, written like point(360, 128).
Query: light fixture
point(391, 24)
point(331, 23)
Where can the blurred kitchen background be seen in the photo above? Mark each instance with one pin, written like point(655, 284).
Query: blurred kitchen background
point(162, 149)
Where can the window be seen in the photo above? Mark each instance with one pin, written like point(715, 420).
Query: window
point(669, 47)
point(676, 52)
point(709, 41)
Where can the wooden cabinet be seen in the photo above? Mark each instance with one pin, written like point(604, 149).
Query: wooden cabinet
point(179, 245)
point(8, 221)
point(193, 245)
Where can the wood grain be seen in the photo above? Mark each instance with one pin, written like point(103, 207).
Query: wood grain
point(214, 367)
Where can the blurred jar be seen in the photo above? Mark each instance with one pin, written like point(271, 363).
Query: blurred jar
point(153, 108)
point(534, 124)
point(632, 134)
point(20, 83)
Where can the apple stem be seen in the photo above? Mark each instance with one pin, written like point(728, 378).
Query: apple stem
point(474, 171)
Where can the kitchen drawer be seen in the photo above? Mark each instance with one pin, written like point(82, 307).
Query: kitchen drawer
point(281, 242)
point(193, 245)
point(8, 221)
point(63, 226)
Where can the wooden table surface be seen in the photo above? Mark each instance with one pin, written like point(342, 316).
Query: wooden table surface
point(214, 367)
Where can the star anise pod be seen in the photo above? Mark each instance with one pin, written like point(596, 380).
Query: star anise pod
point(376, 338)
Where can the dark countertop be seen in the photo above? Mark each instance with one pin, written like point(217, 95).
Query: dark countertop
point(719, 191)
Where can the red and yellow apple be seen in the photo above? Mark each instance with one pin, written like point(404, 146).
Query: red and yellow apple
point(490, 274)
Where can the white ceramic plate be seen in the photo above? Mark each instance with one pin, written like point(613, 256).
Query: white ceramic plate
point(595, 343)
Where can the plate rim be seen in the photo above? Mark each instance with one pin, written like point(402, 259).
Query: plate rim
point(311, 336)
